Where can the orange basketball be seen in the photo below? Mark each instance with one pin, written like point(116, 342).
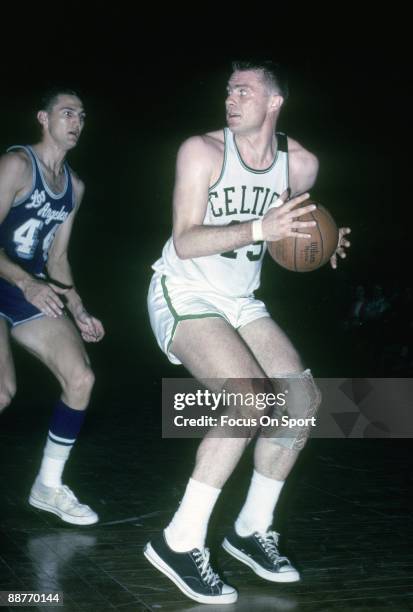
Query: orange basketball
point(307, 254)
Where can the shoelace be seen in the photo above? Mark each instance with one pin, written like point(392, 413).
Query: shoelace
point(269, 542)
point(207, 573)
point(68, 496)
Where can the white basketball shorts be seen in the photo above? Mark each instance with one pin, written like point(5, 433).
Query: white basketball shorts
point(171, 300)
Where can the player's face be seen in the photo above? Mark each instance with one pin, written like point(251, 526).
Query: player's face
point(249, 101)
point(65, 121)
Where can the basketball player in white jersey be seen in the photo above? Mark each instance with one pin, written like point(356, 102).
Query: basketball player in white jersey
point(231, 195)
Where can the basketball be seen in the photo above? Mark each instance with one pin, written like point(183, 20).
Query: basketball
point(308, 254)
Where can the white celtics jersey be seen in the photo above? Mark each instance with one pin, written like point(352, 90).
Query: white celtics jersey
point(240, 194)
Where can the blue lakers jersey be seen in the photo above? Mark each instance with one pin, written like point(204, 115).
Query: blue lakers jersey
point(27, 232)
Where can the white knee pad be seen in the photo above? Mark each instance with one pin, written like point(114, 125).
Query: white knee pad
point(296, 418)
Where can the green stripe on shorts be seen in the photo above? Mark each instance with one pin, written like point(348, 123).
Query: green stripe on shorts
point(177, 317)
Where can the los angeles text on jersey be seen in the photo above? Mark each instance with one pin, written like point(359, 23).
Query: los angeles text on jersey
point(242, 201)
point(46, 212)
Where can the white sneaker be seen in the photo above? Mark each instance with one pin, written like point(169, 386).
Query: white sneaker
point(63, 502)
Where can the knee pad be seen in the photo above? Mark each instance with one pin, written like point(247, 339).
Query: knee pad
point(297, 416)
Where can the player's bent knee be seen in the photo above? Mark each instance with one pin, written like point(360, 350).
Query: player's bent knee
point(303, 399)
point(86, 380)
point(81, 382)
point(243, 403)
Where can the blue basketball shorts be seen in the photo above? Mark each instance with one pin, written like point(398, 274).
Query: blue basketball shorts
point(14, 307)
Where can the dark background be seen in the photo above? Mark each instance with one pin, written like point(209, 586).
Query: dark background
point(350, 103)
point(147, 84)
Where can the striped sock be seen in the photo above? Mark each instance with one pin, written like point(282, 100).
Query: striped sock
point(64, 427)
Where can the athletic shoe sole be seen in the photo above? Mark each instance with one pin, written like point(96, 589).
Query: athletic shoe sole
point(289, 576)
point(68, 518)
point(163, 567)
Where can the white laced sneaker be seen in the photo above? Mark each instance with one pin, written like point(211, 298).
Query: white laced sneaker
point(62, 502)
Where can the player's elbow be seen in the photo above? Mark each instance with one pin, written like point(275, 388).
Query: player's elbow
point(181, 245)
point(181, 251)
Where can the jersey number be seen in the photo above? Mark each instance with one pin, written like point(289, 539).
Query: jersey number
point(251, 255)
point(26, 238)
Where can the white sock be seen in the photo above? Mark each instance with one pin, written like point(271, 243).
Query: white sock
point(53, 462)
point(257, 512)
point(188, 528)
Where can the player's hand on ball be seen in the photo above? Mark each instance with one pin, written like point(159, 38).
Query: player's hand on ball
point(282, 221)
point(342, 244)
point(90, 328)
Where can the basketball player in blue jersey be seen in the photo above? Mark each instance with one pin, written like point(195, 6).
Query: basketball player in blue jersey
point(231, 195)
point(39, 197)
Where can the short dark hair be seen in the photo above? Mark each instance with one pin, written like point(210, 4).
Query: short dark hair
point(273, 74)
point(49, 98)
